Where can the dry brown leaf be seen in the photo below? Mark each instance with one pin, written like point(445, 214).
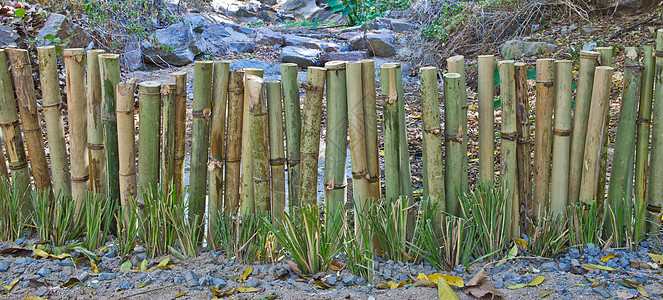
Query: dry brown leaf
point(295, 268)
point(425, 283)
point(477, 278)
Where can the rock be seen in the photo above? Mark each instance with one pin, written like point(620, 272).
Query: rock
point(549, 266)
point(601, 292)
point(498, 284)
point(627, 7)
point(517, 48)
point(366, 289)
point(564, 267)
point(588, 30)
point(289, 5)
point(41, 291)
point(300, 56)
point(204, 280)
point(252, 282)
point(396, 25)
point(125, 285)
point(365, 27)
point(266, 36)
point(83, 276)
point(172, 45)
point(103, 276)
point(311, 43)
point(349, 280)
point(132, 59)
point(331, 280)
point(217, 282)
point(8, 37)
point(361, 281)
point(387, 273)
point(589, 46)
point(44, 271)
point(111, 253)
point(574, 253)
point(246, 64)
point(141, 256)
point(62, 27)
point(4, 267)
point(190, 279)
point(20, 241)
point(381, 44)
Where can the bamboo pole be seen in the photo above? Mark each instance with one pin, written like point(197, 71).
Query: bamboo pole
point(52, 105)
point(21, 71)
point(95, 127)
point(486, 117)
point(310, 138)
point(403, 151)
point(371, 127)
point(201, 111)
point(625, 141)
point(335, 181)
point(655, 185)
point(11, 133)
point(545, 98)
point(221, 74)
point(606, 60)
point(644, 122)
point(234, 147)
point(454, 151)
point(255, 88)
point(4, 173)
point(559, 182)
point(179, 78)
point(293, 128)
point(524, 147)
point(276, 150)
point(168, 94)
point(149, 132)
point(509, 144)
point(595, 124)
point(74, 64)
point(247, 202)
point(109, 70)
point(588, 63)
point(456, 64)
point(390, 131)
point(432, 134)
point(361, 187)
point(126, 131)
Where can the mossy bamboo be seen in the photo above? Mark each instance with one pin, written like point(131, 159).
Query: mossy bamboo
point(126, 132)
point(234, 146)
point(606, 60)
point(432, 134)
point(179, 78)
point(17, 161)
point(221, 74)
point(149, 133)
point(26, 98)
point(52, 105)
point(310, 138)
point(524, 147)
point(456, 64)
point(588, 64)
point(293, 129)
point(335, 180)
point(95, 127)
point(594, 141)
point(625, 141)
point(371, 126)
point(454, 151)
point(486, 117)
point(390, 131)
point(276, 151)
point(655, 185)
point(255, 88)
point(168, 93)
point(361, 188)
point(247, 202)
point(201, 111)
point(559, 181)
point(74, 64)
point(545, 99)
point(509, 170)
point(643, 131)
point(109, 70)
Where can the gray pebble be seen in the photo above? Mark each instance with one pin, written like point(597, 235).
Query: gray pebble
point(387, 273)
point(83, 276)
point(564, 267)
point(110, 254)
point(20, 240)
point(141, 256)
point(125, 285)
point(331, 280)
point(44, 271)
point(349, 280)
point(601, 292)
point(103, 276)
point(190, 279)
point(365, 289)
point(41, 291)
point(574, 253)
point(4, 267)
point(575, 263)
point(256, 271)
point(361, 281)
point(498, 284)
point(549, 266)
point(204, 280)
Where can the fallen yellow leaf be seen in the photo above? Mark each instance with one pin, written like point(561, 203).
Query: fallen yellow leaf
point(537, 280)
point(246, 274)
point(657, 258)
point(521, 242)
point(422, 276)
point(453, 280)
point(517, 286)
point(608, 257)
point(444, 291)
point(244, 289)
point(392, 285)
point(94, 267)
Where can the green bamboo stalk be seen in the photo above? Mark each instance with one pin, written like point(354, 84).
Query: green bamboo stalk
point(24, 87)
point(625, 141)
point(588, 63)
point(335, 181)
point(52, 105)
point(432, 134)
point(655, 186)
point(595, 124)
point(74, 64)
point(545, 99)
point(11, 134)
point(606, 60)
point(201, 111)
point(293, 128)
point(644, 122)
point(371, 126)
point(95, 127)
point(234, 147)
point(559, 181)
point(454, 151)
point(276, 149)
point(217, 153)
point(168, 93)
point(486, 117)
point(255, 88)
point(4, 173)
point(361, 188)
point(509, 144)
point(390, 129)
point(149, 133)
point(311, 124)
point(109, 70)
point(247, 202)
point(456, 64)
point(524, 147)
point(179, 78)
point(126, 132)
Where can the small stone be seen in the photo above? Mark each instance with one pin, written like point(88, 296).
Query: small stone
point(125, 285)
point(459, 269)
point(519, 279)
point(44, 271)
point(216, 253)
point(387, 273)
point(41, 291)
point(366, 289)
point(103, 276)
point(252, 282)
point(141, 256)
point(575, 262)
point(83, 276)
point(204, 280)
point(349, 280)
point(498, 284)
point(66, 263)
point(574, 253)
point(361, 281)
point(4, 267)
point(20, 240)
point(549, 266)
point(331, 280)
point(564, 267)
point(218, 282)
point(601, 292)
point(190, 279)
point(56, 268)
point(110, 254)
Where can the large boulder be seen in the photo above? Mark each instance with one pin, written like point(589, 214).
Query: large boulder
point(380, 43)
point(300, 56)
point(62, 27)
point(210, 41)
point(311, 43)
point(255, 64)
point(266, 36)
point(517, 48)
point(132, 57)
point(174, 45)
point(8, 37)
point(344, 56)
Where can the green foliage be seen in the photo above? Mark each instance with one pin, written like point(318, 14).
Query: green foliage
point(12, 220)
point(586, 223)
point(98, 216)
point(486, 208)
point(127, 230)
point(625, 220)
point(388, 221)
point(312, 241)
point(450, 18)
point(158, 232)
point(550, 235)
point(187, 230)
point(246, 238)
point(56, 218)
point(358, 246)
point(357, 11)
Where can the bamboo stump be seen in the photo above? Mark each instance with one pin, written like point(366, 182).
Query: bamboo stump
point(255, 88)
point(371, 127)
point(247, 201)
point(390, 129)
point(335, 181)
point(361, 189)
point(149, 137)
point(276, 150)
point(524, 148)
point(202, 105)
point(217, 143)
point(432, 134)
point(293, 128)
point(234, 147)
point(179, 78)
point(655, 185)
point(126, 131)
point(545, 99)
point(109, 68)
point(643, 132)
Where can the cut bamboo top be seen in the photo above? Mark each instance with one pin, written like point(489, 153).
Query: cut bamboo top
point(455, 58)
point(146, 86)
point(109, 55)
point(335, 65)
point(77, 53)
point(589, 54)
point(422, 69)
point(451, 75)
point(288, 65)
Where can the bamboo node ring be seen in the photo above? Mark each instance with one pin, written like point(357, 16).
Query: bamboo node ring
point(51, 105)
point(435, 131)
point(82, 178)
point(277, 162)
point(453, 138)
point(644, 121)
point(201, 114)
point(373, 179)
point(312, 154)
point(309, 87)
point(509, 136)
point(234, 91)
point(21, 166)
point(293, 161)
point(562, 132)
point(658, 53)
point(360, 175)
point(95, 146)
point(653, 208)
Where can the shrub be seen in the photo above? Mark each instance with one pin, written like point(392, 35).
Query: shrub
point(56, 217)
point(12, 218)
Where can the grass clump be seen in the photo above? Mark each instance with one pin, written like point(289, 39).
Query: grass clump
point(127, 229)
point(98, 217)
point(12, 218)
point(56, 219)
point(624, 223)
point(486, 209)
point(158, 231)
point(358, 246)
point(388, 221)
point(586, 223)
point(312, 241)
point(187, 230)
point(550, 235)
point(246, 238)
